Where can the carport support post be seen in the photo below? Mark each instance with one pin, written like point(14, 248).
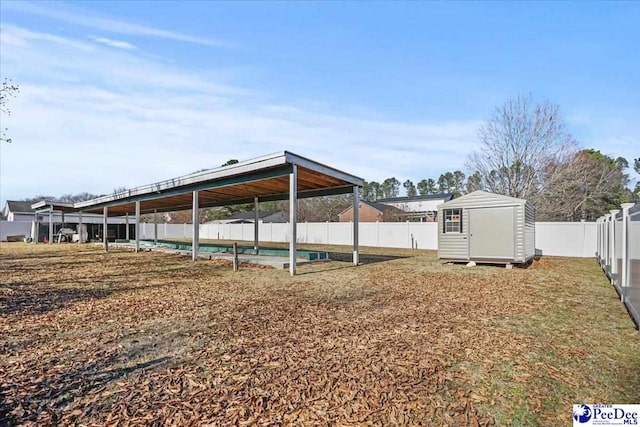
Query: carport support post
point(105, 240)
point(137, 227)
point(80, 227)
point(255, 225)
point(356, 218)
point(614, 267)
point(293, 218)
point(36, 229)
point(126, 224)
point(624, 274)
point(195, 242)
point(155, 227)
point(50, 224)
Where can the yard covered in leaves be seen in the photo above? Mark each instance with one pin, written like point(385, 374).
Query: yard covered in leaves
point(138, 339)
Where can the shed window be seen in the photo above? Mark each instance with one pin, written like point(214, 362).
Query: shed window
point(453, 221)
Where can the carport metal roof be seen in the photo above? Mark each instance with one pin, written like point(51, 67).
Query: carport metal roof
point(48, 206)
point(266, 178)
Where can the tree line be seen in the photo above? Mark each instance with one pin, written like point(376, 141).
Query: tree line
point(526, 152)
point(455, 182)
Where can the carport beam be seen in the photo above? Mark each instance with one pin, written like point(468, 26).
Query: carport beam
point(137, 226)
point(293, 218)
point(255, 225)
point(356, 220)
point(196, 227)
point(105, 216)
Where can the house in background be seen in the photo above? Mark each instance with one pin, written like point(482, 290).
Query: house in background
point(249, 218)
point(418, 208)
point(17, 211)
point(371, 212)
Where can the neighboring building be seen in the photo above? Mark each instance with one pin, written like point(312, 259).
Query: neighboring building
point(371, 212)
point(17, 211)
point(249, 218)
point(24, 213)
point(486, 227)
point(418, 208)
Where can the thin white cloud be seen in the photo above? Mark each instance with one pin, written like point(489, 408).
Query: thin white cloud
point(20, 37)
point(130, 120)
point(53, 10)
point(113, 43)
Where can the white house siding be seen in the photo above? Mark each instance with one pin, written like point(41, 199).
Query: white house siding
point(416, 205)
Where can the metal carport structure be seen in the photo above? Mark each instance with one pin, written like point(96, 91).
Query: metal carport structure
point(279, 176)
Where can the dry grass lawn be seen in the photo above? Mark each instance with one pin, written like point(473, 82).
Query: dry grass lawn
point(88, 338)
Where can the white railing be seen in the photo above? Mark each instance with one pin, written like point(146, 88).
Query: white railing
point(618, 252)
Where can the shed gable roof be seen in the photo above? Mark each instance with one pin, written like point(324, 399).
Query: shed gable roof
point(480, 195)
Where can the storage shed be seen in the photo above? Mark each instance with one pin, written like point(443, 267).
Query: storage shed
point(486, 227)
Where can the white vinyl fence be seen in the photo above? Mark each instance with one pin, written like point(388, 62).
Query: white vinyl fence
point(14, 228)
point(574, 239)
point(618, 251)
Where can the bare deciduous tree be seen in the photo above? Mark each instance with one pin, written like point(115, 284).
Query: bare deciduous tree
point(586, 187)
point(7, 90)
point(517, 143)
point(320, 209)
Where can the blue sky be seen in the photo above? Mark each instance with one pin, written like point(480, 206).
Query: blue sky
point(128, 93)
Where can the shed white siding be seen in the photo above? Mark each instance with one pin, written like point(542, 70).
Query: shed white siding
point(456, 246)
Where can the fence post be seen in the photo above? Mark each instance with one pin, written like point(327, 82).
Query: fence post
point(602, 235)
point(614, 266)
point(235, 256)
point(598, 239)
point(378, 233)
point(624, 276)
point(607, 243)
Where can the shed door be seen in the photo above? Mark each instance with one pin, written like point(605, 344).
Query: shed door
point(492, 232)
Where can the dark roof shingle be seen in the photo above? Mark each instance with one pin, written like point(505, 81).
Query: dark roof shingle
point(19, 206)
